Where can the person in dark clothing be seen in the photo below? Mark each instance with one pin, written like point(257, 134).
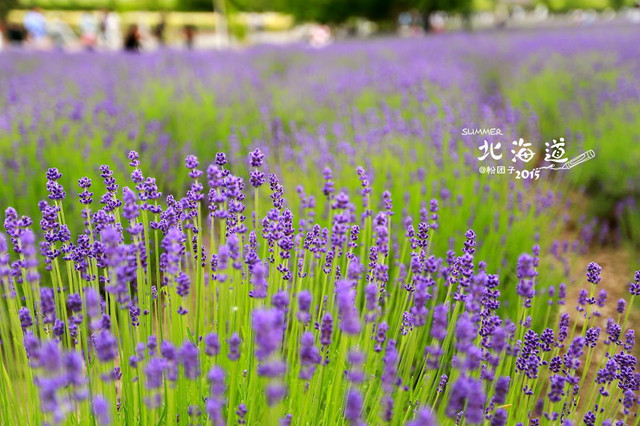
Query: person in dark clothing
point(158, 30)
point(16, 34)
point(189, 34)
point(132, 39)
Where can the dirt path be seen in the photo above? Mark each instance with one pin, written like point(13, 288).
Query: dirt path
point(618, 268)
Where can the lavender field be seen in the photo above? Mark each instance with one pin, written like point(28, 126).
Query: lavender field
point(284, 235)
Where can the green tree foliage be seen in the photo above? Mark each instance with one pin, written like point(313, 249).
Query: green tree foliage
point(5, 7)
point(338, 11)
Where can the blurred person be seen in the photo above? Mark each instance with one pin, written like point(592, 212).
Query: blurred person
point(437, 22)
point(16, 34)
point(88, 30)
point(159, 29)
point(110, 35)
point(189, 32)
point(36, 26)
point(320, 36)
point(132, 39)
point(61, 34)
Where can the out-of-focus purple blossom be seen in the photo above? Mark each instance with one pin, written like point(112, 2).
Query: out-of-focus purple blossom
point(234, 347)
point(101, 410)
point(353, 407)
point(424, 417)
point(499, 417)
point(326, 330)
point(154, 372)
point(309, 356)
point(275, 393)
point(189, 358)
point(106, 346)
point(212, 344)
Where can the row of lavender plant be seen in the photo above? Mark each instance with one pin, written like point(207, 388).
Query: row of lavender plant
point(400, 119)
point(207, 308)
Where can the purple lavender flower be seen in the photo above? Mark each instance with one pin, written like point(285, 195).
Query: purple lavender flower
point(188, 356)
point(499, 417)
point(182, 284)
point(74, 303)
point(221, 159)
point(381, 336)
point(423, 418)
point(591, 337)
point(590, 418)
point(525, 267)
point(501, 389)
point(353, 407)
point(390, 368)
point(216, 378)
point(241, 412)
point(234, 347)
point(268, 325)
point(154, 372)
point(259, 280)
point(272, 369)
point(459, 393)
point(475, 403)
point(326, 329)
point(256, 158)
point(439, 324)
point(105, 345)
point(556, 391)
point(465, 332)
point(304, 303)
point(25, 318)
point(443, 383)
point(593, 273)
point(309, 356)
point(349, 320)
point(275, 393)
point(101, 410)
point(212, 344)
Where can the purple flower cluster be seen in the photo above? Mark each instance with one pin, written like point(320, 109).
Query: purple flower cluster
point(273, 311)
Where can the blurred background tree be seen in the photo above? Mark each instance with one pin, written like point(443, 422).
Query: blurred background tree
point(338, 11)
point(5, 7)
point(323, 11)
